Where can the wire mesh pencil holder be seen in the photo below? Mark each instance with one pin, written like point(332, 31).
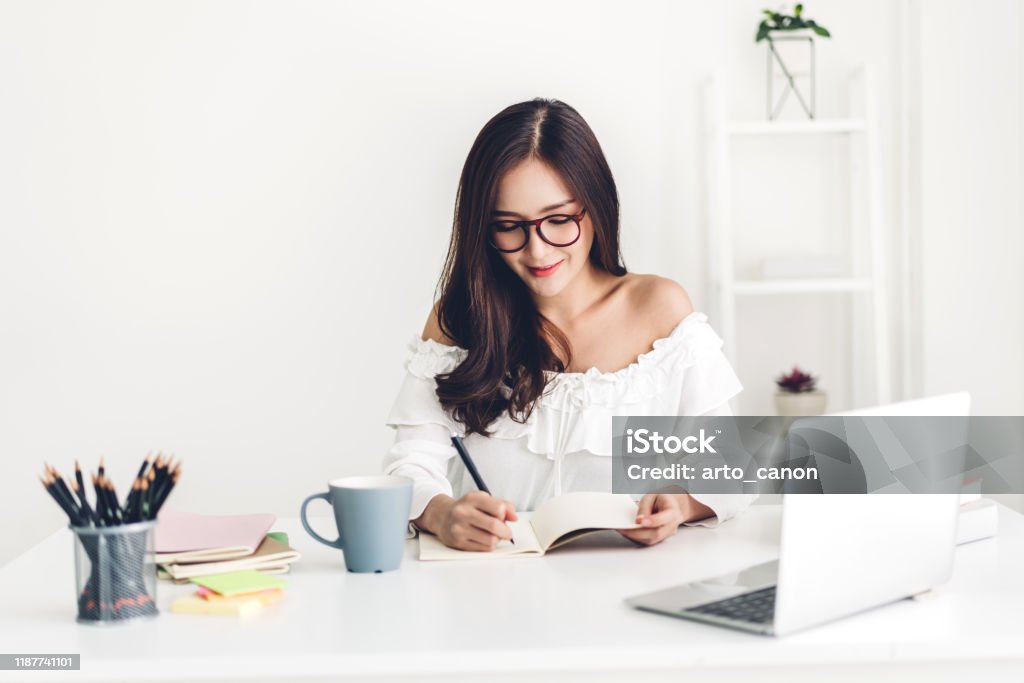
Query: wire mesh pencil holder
point(115, 572)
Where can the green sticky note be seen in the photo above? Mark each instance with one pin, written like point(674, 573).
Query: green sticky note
point(279, 536)
point(233, 583)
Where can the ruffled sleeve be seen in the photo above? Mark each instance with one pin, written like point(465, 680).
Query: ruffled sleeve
point(708, 379)
point(422, 446)
point(416, 403)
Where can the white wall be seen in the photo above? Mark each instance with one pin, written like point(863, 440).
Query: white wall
point(221, 222)
point(971, 228)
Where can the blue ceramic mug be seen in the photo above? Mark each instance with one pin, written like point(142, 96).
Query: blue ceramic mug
point(372, 514)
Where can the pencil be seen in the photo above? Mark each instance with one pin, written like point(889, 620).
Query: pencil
point(78, 475)
point(101, 500)
point(143, 496)
point(127, 504)
point(79, 489)
point(52, 490)
point(160, 477)
point(114, 505)
point(86, 509)
point(167, 491)
point(51, 487)
point(65, 493)
point(132, 505)
point(148, 491)
point(145, 464)
point(59, 481)
point(156, 475)
point(108, 505)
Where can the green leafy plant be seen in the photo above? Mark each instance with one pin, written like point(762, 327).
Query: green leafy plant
point(796, 382)
point(777, 21)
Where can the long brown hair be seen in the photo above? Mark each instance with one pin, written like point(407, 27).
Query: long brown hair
point(483, 305)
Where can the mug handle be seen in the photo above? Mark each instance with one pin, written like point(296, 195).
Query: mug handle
point(305, 524)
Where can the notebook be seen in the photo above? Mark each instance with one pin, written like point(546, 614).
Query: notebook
point(271, 557)
point(554, 523)
point(188, 537)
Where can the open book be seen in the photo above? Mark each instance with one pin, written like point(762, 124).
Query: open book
point(556, 522)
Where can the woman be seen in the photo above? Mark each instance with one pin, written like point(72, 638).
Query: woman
point(539, 336)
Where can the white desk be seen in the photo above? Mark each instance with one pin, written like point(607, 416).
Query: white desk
point(533, 618)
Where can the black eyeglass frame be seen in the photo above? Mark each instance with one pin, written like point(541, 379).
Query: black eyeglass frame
point(527, 224)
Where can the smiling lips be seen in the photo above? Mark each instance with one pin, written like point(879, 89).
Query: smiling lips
point(546, 270)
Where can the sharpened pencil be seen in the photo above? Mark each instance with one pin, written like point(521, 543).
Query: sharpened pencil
point(51, 489)
point(149, 490)
point(87, 512)
point(167, 490)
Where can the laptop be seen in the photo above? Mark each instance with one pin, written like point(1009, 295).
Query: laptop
point(839, 554)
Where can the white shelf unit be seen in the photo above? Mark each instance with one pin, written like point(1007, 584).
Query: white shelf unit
point(726, 287)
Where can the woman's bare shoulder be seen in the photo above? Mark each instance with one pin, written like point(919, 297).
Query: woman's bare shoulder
point(432, 330)
point(661, 301)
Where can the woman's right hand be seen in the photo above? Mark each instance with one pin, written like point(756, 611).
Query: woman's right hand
point(476, 521)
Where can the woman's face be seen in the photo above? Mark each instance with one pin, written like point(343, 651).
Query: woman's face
point(534, 190)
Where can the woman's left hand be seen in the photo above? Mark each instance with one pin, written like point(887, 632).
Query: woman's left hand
point(660, 515)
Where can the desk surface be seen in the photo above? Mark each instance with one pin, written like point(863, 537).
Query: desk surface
point(548, 615)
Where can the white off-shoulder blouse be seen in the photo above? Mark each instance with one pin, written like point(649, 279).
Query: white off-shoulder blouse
point(565, 443)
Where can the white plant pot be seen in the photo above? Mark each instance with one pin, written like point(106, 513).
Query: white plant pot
point(788, 404)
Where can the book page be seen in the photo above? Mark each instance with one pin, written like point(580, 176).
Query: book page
point(580, 511)
point(431, 548)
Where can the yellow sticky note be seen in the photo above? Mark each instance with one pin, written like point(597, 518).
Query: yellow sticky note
point(267, 598)
point(233, 583)
point(193, 604)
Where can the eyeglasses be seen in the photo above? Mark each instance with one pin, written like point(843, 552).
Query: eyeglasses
point(558, 230)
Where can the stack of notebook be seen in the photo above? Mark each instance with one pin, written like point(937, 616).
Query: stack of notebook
point(190, 545)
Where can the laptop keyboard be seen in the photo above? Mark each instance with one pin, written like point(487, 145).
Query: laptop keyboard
point(756, 607)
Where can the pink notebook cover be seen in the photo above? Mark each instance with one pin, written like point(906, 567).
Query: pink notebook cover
point(178, 531)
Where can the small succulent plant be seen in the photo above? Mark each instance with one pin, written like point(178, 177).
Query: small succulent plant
point(777, 21)
point(796, 381)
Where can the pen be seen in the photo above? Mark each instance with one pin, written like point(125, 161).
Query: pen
point(471, 467)
point(468, 462)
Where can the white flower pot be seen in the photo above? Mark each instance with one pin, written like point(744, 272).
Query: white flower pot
point(789, 404)
point(790, 56)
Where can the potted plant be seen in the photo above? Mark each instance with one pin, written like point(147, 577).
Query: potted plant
point(777, 21)
point(790, 52)
point(798, 394)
